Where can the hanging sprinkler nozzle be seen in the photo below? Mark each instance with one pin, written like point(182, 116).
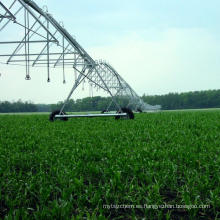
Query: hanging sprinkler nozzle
point(28, 77)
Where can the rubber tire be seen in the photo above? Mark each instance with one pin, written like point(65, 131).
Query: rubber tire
point(139, 110)
point(130, 114)
point(56, 112)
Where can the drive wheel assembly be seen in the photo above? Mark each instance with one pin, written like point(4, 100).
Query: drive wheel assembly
point(130, 114)
point(57, 112)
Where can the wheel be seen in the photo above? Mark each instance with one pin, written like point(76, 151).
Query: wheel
point(130, 114)
point(139, 110)
point(104, 111)
point(56, 112)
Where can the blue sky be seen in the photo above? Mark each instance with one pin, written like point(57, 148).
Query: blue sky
point(158, 46)
point(111, 19)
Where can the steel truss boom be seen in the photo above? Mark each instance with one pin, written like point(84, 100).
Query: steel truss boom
point(46, 42)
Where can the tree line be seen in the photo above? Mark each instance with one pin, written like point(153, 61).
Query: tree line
point(19, 106)
point(187, 100)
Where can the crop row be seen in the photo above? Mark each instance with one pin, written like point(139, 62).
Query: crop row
point(99, 168)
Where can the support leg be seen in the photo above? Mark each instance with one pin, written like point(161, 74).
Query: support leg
point(80, 78)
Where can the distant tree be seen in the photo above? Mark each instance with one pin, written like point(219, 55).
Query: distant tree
point(187, 100)
point(18, 106)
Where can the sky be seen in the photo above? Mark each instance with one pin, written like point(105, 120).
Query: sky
point(158, 46)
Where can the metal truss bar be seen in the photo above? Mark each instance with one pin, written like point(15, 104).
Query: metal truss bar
point(62, 55)
point(76, 58)
point(33, 15)
point(11, 15)
point(47, 60)
point(18, 42)
point(115, 73)
point(26, 22)
point(87, 76)
point(61, 64)
point(64, 80)
point(133, 93)
point(48, 55)
point(91, 115)
point(4, 16)
point(34, 54)
point(9, 9)
point(76, 84)
point(33, 31)
point(10, 20)
point(109, 105)
point(62, 31)
point(20, 45)
point(112, 101)
point(42, 51)
point(72, 41)
point(113, 98)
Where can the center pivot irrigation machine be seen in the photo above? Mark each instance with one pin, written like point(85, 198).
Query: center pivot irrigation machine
point(45, 42)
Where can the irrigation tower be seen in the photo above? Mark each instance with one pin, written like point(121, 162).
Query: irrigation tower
point(43, 41)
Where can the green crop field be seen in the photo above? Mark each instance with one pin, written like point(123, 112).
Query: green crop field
point(159, 166)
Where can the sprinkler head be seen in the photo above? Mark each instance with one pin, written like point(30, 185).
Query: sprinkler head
point(28, 77)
